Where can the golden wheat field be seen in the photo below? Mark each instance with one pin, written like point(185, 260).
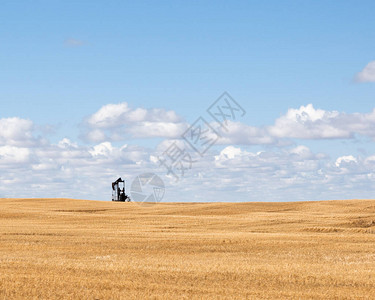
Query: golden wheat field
point(77, 249)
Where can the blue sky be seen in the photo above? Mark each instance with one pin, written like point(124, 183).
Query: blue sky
point(63, 61)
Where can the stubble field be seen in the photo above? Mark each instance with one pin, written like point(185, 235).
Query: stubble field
point(77, 249)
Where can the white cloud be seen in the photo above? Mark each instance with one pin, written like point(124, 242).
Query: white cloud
point(67, 169)
point(342, 160)
point(234, 173)
point(229, 153)
point(103, 149)
point(14, 155)
point(110, 115)
point(367, 74)
point(305, 122)
point(310, 123)
point(157, 129)
point(239, 133)
point(230, 171)
point(16, 132)
point(67, 144)
point(240, 175)
point(96, 136)
point(114, 115)
point(118, 122)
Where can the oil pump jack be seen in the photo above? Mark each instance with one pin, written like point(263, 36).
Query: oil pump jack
point(118, 191)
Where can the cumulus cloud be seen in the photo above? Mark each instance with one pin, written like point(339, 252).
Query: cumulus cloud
point(157, 129)
point(66, 143)
point(17, 132)
point(67, 169)
point(344, 160)
point(239, 133)
point(367, 74)
point(231, 156)
point(114, 115)
point(103, 149)
point(14, 155)
point(229, 152)
point(117, 122)
point(285, 174)
point(231, 171)
point(110, 115)
point(307, 122)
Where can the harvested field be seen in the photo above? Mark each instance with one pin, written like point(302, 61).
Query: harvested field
point(78, 249)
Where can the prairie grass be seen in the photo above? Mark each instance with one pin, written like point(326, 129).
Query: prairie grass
point(77, 249)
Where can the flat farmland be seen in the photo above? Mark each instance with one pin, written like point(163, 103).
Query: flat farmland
point(79, 249)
